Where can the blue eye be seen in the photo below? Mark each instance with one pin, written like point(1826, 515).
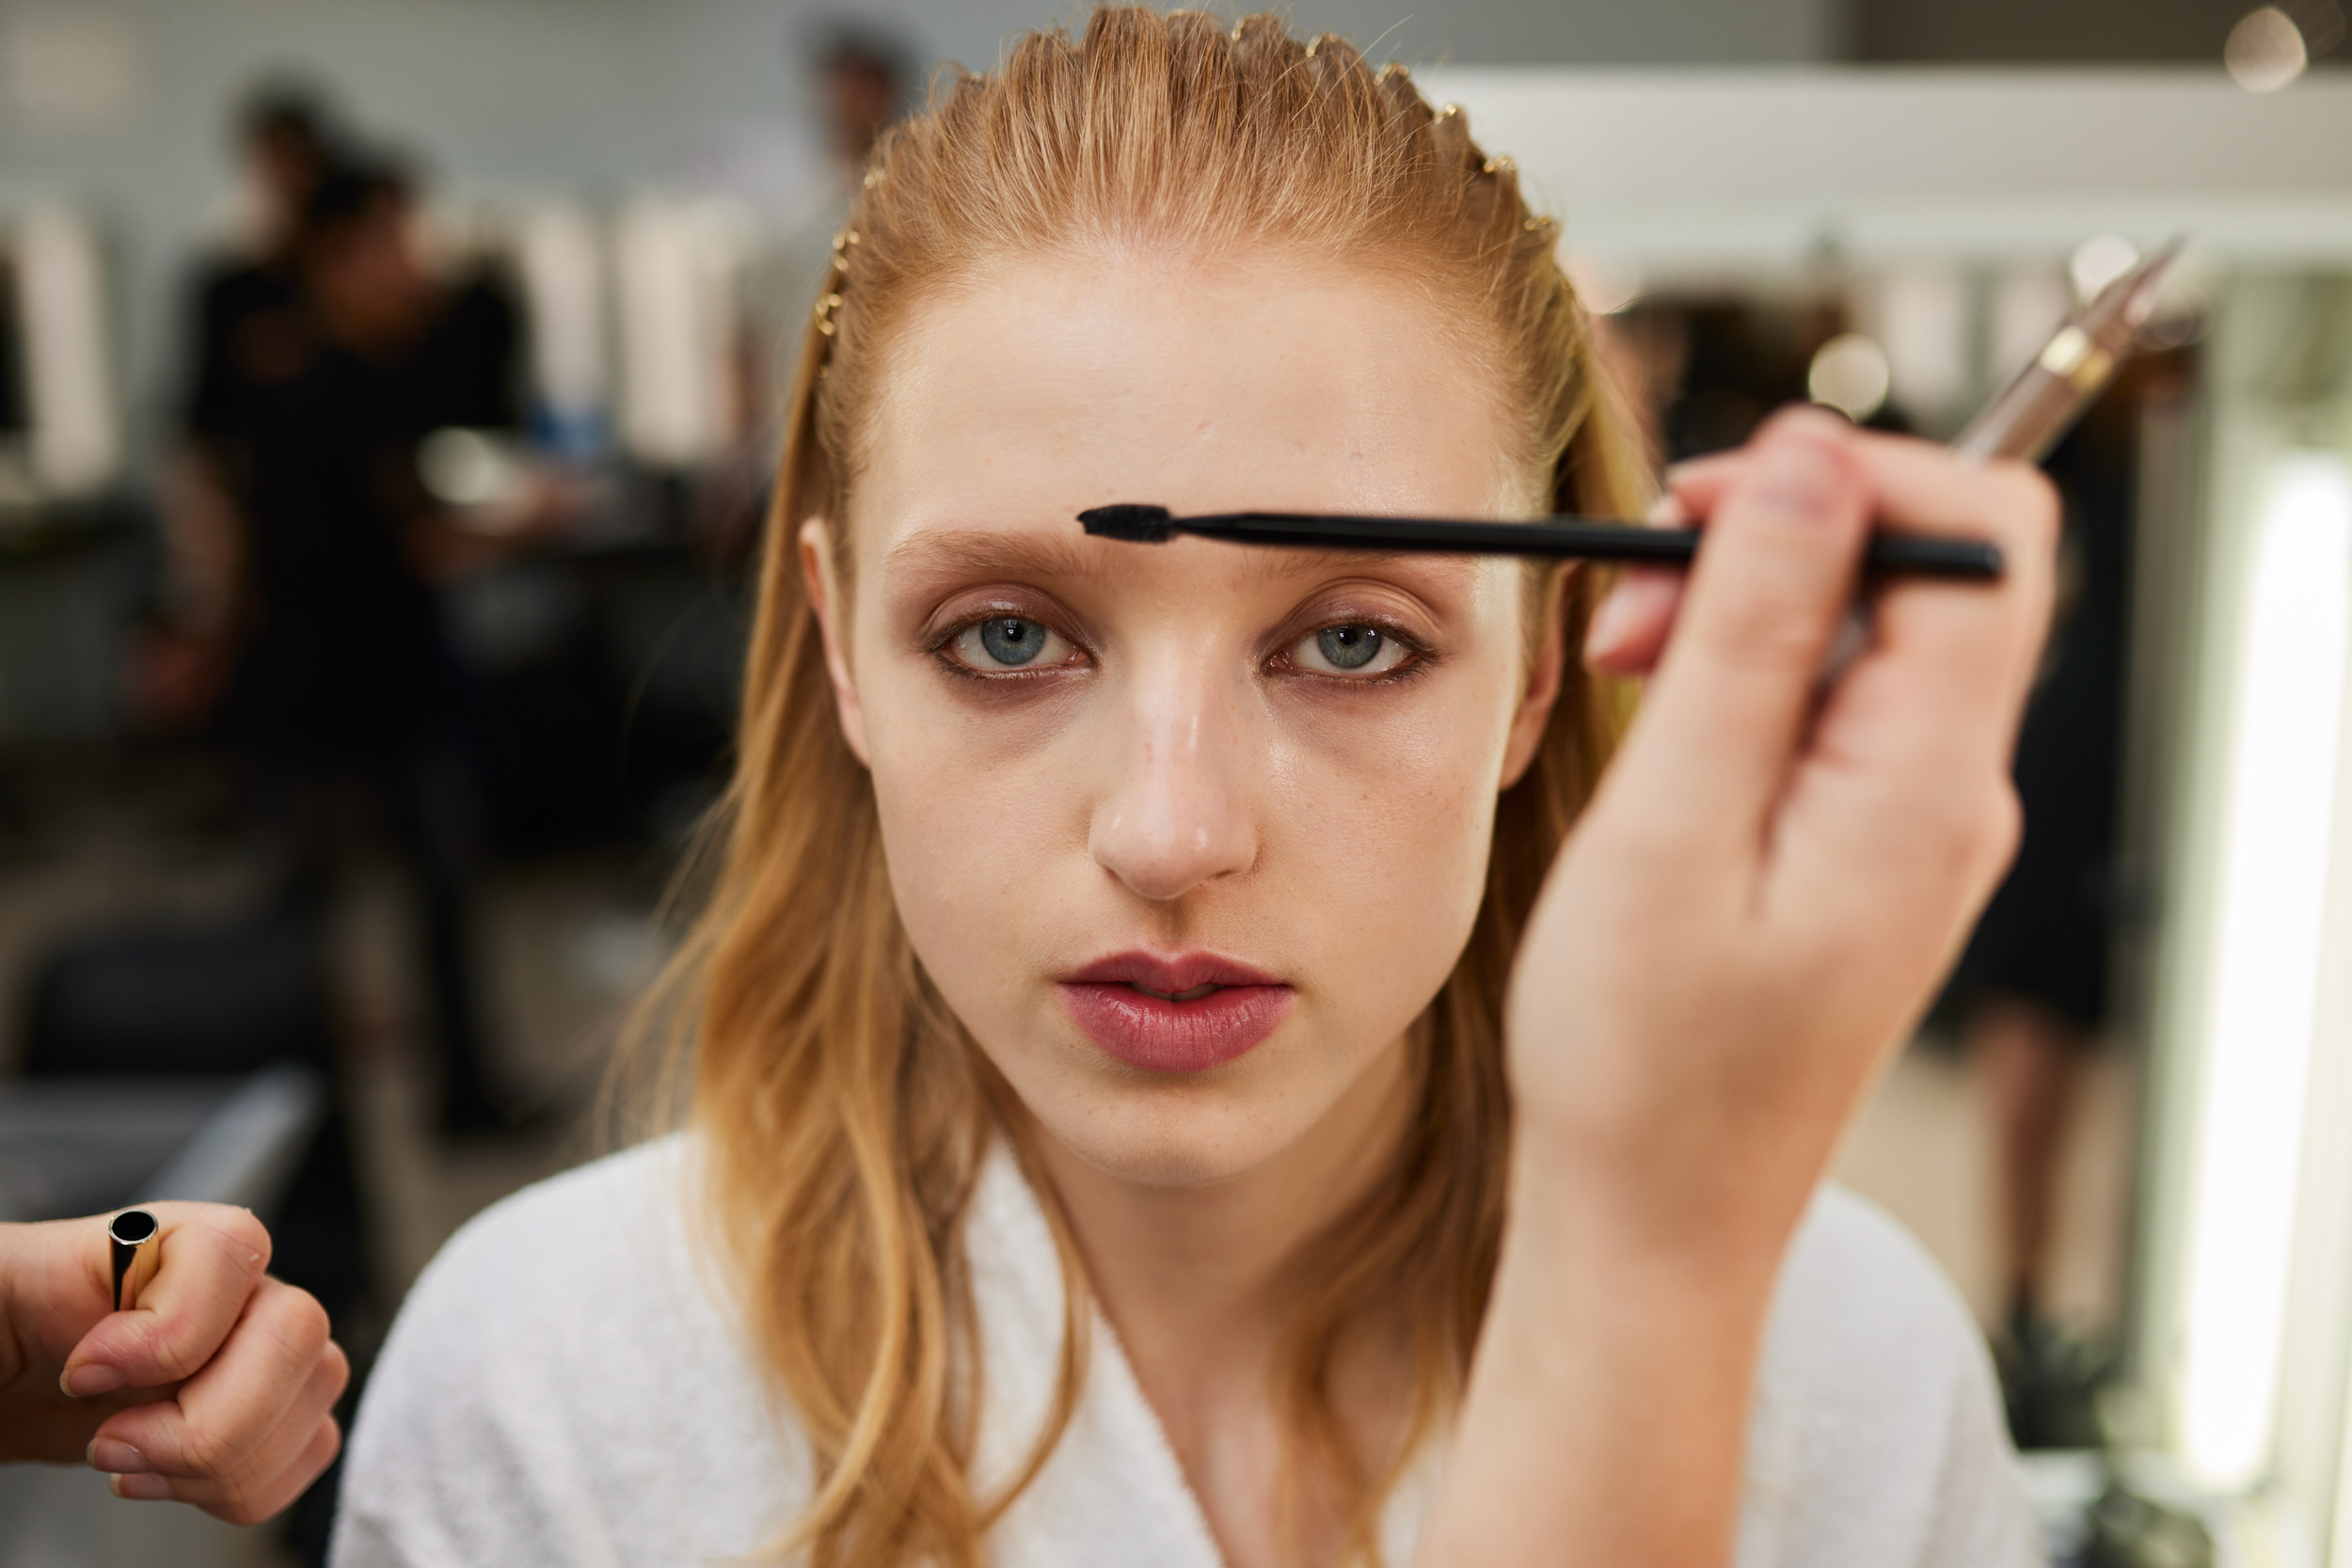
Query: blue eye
point(1009, 643)
point(1348, 650)
point(1349, 647)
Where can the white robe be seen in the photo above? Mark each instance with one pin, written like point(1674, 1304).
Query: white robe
point(565, 1388)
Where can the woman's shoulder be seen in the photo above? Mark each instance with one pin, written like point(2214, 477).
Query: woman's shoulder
point(564, 1379)
point(605, 1230)
point(1877, 1434)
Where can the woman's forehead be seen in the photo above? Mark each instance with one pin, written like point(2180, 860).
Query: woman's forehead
point(1068, 382)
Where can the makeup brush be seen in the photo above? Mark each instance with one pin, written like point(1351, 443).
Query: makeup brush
point(2023, 420)
point(1583, 538)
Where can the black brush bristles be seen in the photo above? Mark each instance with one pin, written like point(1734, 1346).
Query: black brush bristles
point(1134, 521)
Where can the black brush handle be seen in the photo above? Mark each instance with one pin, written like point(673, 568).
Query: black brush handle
point(1888, 554)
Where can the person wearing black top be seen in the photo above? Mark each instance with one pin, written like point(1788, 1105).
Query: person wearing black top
point(345, 685)
point(245, 332)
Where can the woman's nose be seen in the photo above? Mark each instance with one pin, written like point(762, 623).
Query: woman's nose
point(1176, 815)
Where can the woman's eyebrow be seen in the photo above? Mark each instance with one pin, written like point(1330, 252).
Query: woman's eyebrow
point(959, 549)
point(966, 551)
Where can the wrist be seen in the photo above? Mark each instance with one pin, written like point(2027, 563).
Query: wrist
point(1705, 1223)
point(1606, 1415)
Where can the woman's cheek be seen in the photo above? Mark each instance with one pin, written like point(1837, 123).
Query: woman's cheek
point(973, 833)
point(1387, 825)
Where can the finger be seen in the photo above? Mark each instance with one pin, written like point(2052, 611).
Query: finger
point(245, 1504)
point(1923, 488)
point(1629, 629)
point(211, 1256)
point(1952, 668)
point(1765, 596)
point(224, 1415)
point(1695, 484)
point(265, 1479)
point(1916, 738)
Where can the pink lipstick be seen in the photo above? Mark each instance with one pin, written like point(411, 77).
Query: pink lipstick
point(1180, 1014)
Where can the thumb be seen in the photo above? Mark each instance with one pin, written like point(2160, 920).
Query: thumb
point(213, 1259)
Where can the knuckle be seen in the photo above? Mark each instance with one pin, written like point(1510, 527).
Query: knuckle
point(292, 1320)
point(247, 1239)
point(306, 1324)
point(206, 1451)
point(173, 1349)
point(338, 1367)
point(237, 1503)
point(239, 1242)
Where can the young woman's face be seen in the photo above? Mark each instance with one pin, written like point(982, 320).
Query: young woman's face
point(1188, 834)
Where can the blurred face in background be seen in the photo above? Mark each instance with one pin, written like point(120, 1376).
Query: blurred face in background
point(861, 98)
point(285, 161)
point(366, 273)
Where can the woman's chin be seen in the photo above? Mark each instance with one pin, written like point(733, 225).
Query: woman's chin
point(1175, 1154)
point(1194, 1131)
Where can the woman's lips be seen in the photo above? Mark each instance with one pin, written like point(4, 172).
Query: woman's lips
point(1180, 1014)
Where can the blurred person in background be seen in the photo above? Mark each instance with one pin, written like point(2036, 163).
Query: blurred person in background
point(865, 79)
point(2030, 995)
point(865, 76)
point(245, 333)
point(347, 684)
point(339, 684)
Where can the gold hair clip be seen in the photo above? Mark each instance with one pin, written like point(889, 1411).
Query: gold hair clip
point(1393, 71)
point(825, 307)
point(1449, 111)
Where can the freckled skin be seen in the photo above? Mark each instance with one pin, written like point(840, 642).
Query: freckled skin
point(1175, 785)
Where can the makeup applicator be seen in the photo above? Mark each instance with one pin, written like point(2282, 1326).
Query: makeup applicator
point(2024, 420)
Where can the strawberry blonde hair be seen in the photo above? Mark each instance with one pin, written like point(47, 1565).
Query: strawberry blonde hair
point(842, 1110)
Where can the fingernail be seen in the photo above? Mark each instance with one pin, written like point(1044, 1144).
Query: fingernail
point(1610, 622)
point(1666, 512)
point(118, 1458)
point(141, 1489)
point(90, 1377)
point(1795, 474)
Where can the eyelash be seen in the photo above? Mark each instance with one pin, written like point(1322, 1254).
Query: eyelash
point(1423, 655)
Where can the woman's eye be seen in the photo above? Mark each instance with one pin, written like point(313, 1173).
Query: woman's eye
point(1352, 650)
point(1009, 643)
